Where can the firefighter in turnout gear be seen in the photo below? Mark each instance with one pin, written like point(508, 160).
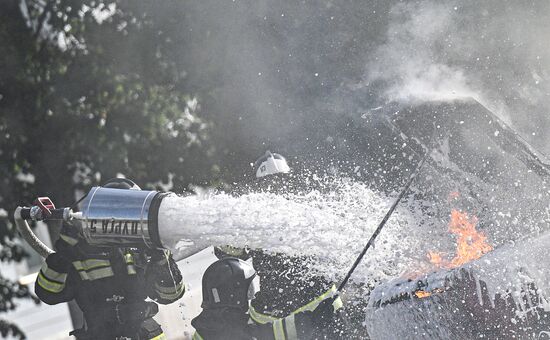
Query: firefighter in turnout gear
point(288, 285)
point(228, 285)
point(110, 285)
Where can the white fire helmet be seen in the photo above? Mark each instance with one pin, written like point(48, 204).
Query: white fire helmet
point(270, 164)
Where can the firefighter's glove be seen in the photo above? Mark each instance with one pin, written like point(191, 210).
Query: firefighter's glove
point(163, 267)
point(159, 256)
point(58, 262)
point(69, 253)
point(324, 313)
point(132, 312)
point(70, 244)
point(310, 323)
point(230, 251)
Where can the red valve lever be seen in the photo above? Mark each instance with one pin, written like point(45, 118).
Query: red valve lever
point(45, 204)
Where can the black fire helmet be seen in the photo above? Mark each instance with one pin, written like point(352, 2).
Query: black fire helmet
point(228, 283)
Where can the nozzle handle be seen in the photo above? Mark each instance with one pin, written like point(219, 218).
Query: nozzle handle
point(37, 213)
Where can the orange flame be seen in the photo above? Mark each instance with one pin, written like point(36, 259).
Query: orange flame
point(471, 244)
point(422, 294)
point(435, 258)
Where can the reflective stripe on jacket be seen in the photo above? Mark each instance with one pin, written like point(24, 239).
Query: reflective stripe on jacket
point(51, 280)
point(197, 336)
point(265, 318)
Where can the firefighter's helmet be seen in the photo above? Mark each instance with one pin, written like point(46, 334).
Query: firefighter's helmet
point(270, 164)
point(229, 282)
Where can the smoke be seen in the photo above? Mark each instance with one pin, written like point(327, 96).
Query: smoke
point(409, 61)
point(496, 52)
point(278, 69)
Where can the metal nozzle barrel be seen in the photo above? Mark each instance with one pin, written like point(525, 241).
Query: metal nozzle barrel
point(120, 217)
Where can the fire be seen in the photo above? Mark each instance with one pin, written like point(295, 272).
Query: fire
point(471, 244)
point(435, 258)
point(422, 294)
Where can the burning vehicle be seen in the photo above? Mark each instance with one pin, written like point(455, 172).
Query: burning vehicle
point(494, 185)
point(502, 295)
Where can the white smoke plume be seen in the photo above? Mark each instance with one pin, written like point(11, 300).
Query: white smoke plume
point(409, 60)
point(494, 51)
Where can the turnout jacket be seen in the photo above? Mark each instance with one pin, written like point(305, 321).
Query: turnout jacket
point(109, 285)
point(232, 324)
point(288, 287)
point(311, 321)
point(286, 282)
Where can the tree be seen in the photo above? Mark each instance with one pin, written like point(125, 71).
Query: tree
point(86, 93)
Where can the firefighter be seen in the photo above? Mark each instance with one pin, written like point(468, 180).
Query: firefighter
point(287, 281)
point(228, 285)
point(110, 285)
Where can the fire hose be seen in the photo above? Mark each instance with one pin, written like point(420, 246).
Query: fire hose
point(26, 232)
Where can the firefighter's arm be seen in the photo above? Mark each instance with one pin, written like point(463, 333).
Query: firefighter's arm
point(53, 284)
point(300, 324)
point(164, 278)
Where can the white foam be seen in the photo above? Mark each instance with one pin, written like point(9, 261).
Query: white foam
point(332, 227)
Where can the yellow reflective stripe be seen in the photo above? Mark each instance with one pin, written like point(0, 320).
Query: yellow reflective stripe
point(170, 296)
point(233, 251)
point(314, 303)
point(70, 240)
point(278, 330)
point(159, 337)
point(264, 318)
point(51, 274)
point(95, 263)
point(100, 273)
point(128, 258)
point(96, 274)
point(83, 275)
point(78, 265)
point(50, 286)
point(131, 269)
point(93, 269)
point(337, 304)
point(91, 264)
point(169, 290)
point(259, 317)
point(290, 326)
point(197, 336)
